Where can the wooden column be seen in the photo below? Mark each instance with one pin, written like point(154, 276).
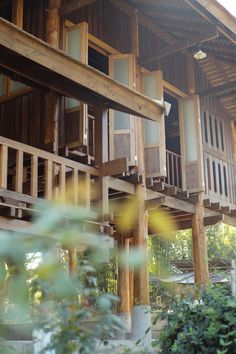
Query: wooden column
point(101, 155)
point(53, 23)
point(199, 244)
point(72, 252)
point(191, 74)
point(131, 283)
point(123, 278)
point(141, 279)
point(17, 12)
point(52, 100)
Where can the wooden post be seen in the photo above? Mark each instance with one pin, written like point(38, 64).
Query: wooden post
point(17, 12)
point(101, 154)
point(52, 99)
point(123, 278)
point(191, 74)
point(233, 277)
point(141, 280)
point(72, 252)
point(199, 244)
point(53, 23)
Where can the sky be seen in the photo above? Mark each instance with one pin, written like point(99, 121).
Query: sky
point(230, 5)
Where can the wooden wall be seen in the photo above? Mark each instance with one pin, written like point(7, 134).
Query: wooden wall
point(108, 23)
point(217, 146)
point(174, 67)
point(35, 16)
point(22, 119)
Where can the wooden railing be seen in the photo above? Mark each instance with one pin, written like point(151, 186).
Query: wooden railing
point(35, 173)
point(173, 169)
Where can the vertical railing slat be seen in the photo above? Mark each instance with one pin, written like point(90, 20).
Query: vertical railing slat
point(3, 166)
point(48, 179)
point(19, 171)
point(62, 181)
point(88, 190)
point(75, 186)
point(34, 176)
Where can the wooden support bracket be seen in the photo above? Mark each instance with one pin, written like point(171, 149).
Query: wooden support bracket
point(115, 167)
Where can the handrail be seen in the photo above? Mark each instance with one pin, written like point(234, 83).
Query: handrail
point(47, 155)
point(48, 172)
point(173, 169)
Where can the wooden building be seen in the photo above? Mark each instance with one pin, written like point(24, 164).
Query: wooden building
point(85, 92)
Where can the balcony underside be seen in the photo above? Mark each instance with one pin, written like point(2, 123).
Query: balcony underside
point(28, 174)
point(38, 63)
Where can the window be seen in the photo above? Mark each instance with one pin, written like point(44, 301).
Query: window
point(10, 87)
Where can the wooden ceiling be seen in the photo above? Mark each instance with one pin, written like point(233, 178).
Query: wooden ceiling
point(186, 19)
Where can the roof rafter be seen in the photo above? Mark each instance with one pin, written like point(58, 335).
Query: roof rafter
point(179, 46)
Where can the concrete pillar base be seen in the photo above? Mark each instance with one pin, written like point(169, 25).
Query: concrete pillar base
point(125, 319)
point(141, 321)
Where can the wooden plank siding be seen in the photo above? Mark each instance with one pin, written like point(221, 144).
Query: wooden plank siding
point(219, 166)
point(23, 119)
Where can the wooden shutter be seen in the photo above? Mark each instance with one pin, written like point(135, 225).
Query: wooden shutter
point(191, 144)
point(121, 127)
point(154, 133)
point(76, 46)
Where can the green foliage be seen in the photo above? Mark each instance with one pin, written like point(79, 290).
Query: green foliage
point(71, 307)
point(221, 243)
point(206, 325)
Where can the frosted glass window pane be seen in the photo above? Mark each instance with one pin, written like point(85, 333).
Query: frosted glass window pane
point(190, 131)
point(121, 74)
point(121, 120)
point(73, 44)
point(121, 71)
point(150, 87)
point(151, 133)
point(71, 103)
point(1, 85)
point(16, 85)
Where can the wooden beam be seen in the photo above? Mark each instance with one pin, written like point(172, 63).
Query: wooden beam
point(213, 220)
point(178, 46)
point(172, 202)
point(120, 185)
point(154, 203)
point(71, 6)
point(30, 57)
point(218, 90)
point(17, 12)
point(115, 167)
point(220, 13)
point(145, 21)
point(216, 14)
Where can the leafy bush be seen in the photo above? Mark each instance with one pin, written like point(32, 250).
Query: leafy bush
point(206, 325)
point(73, 311)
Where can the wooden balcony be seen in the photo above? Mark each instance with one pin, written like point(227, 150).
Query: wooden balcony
point(173, 169)
point(28, 174)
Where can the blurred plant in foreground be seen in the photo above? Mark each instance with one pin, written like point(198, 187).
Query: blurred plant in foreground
point(70, 307)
